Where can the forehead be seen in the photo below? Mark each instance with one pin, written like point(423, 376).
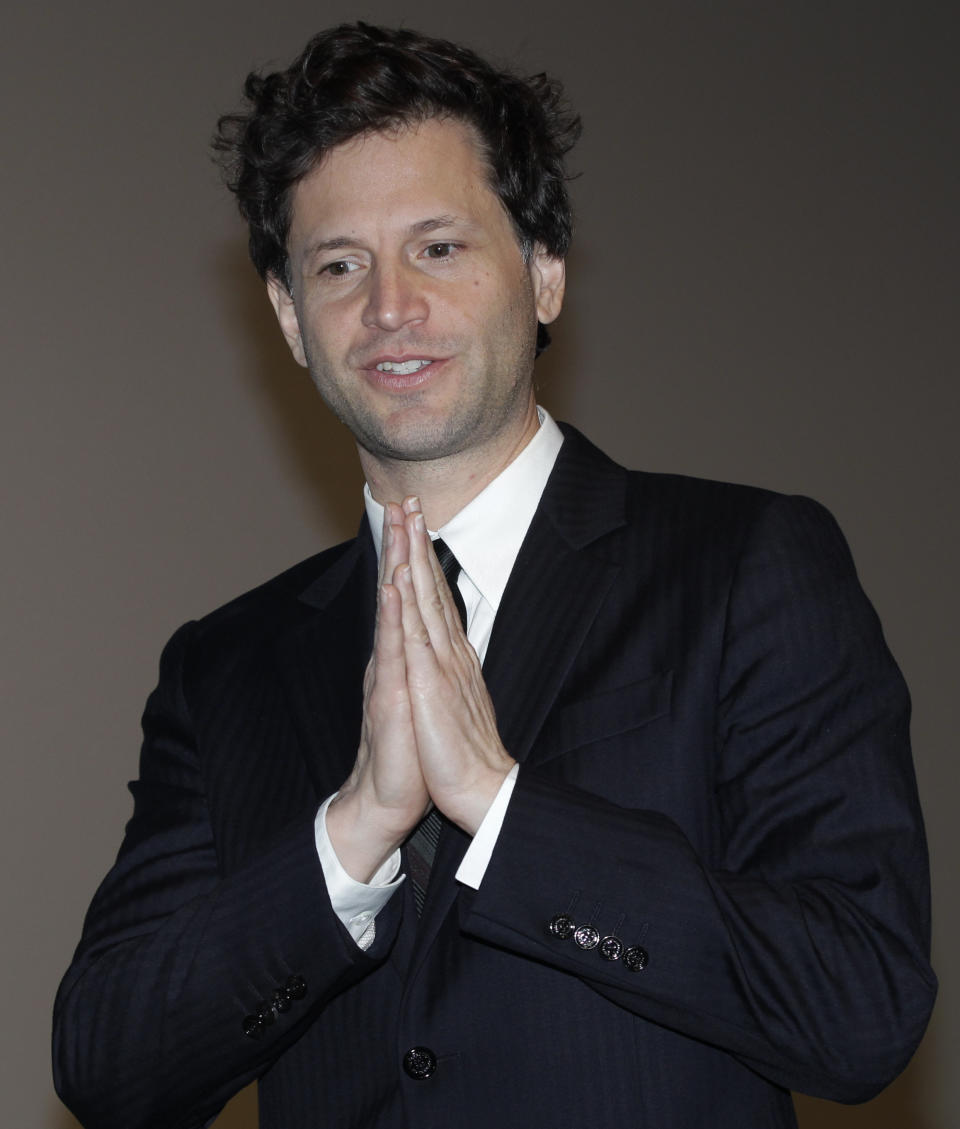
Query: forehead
point(396, 178)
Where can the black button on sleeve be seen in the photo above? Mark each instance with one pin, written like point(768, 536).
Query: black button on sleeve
point(586, 937)
point(611, 948)
point(296, 987)
point(419, 1062)
point(635, 958)
point(561, 926)
point(252, 1027)
point(265, 1013)
point(281, 1000)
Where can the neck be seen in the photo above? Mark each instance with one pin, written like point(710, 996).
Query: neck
point(444, 486)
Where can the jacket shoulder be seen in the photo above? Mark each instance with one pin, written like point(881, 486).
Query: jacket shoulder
point(676, 500)
point(286, 586)
point(580, 458)
point(250, 622)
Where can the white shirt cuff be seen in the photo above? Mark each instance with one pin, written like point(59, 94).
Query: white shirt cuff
point(474, 864)
point(355, 903)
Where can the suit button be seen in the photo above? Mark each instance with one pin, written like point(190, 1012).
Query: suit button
point(586, 937)
point(611, 948)
point(419, 1062)
point(561, 926)
point(265, 1014)
point(252, 1027)
point(296, 987)
point(635, 958)
point(281, 1000)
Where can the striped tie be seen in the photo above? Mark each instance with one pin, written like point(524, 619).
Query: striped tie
point(422, 844)
point(451, 570)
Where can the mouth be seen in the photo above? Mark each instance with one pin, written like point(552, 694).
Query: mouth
point(401, 374)
point(403, 368)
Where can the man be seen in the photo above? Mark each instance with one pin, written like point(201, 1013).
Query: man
point(619, 827)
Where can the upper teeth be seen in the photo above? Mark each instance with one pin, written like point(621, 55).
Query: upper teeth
point(403, 368)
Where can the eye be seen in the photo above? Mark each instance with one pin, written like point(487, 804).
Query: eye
point(440, 250)
point(339, 268)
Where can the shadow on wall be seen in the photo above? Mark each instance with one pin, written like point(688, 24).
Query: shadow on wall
point(900, 1106)
point(240, 1112)
point(316, 449)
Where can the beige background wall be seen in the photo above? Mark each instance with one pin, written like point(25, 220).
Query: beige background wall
point(763, 288)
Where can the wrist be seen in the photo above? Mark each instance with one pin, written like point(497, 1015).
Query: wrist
point(362, 842)
point(469, 808)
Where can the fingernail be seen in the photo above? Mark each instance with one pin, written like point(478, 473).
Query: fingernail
point(412, 504)
point(419, 524)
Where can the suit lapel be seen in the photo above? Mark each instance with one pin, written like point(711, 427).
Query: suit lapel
point(548, 607)
point(561, 577)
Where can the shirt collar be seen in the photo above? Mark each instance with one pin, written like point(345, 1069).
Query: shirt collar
point(486, 535)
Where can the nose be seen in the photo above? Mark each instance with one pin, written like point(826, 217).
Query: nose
point(395, 297)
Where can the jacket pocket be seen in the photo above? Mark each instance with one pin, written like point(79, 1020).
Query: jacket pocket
point(602, 716)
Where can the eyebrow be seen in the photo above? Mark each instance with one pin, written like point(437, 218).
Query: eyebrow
point(436, 223)
point(423, 227)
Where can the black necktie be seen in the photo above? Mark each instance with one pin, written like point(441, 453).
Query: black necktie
point(422, 844)
point(451, 570)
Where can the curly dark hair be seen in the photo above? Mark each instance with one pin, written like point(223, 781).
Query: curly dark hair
point(356, 79)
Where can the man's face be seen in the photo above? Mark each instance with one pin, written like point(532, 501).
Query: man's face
point(411, 304)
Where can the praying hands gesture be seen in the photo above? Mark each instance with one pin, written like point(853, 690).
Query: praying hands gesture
point(429, 731)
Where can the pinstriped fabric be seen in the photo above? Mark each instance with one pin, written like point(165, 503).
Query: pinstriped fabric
point(221, 843)
point(561, 590)
point(734, 787)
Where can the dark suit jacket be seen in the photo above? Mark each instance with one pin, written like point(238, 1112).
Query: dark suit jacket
point(715, 770)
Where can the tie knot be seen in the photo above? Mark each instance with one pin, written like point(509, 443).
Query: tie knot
point(448, 562)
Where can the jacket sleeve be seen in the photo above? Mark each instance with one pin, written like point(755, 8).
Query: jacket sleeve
point(798, 941)
point(187, 984)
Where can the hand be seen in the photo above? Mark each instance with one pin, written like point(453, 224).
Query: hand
point(385, 795)
point(462, 759)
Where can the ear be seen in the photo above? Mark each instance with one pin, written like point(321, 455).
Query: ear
point(549, 279)
point(286, 311)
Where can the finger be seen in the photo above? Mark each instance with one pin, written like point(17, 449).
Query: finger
point(433, 596)
point(394, 549)
point(411, 505)
point(394, 546)
point(454, 622)
point(389, 672)
point(450, 609)
point(419, 654)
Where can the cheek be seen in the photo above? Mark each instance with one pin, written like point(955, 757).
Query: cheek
point(492, 298)
point(326, 328)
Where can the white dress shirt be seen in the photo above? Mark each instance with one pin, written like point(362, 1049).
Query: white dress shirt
point(485, 537)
